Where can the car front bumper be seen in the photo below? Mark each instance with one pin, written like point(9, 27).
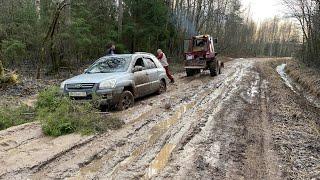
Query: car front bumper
point(105, 97)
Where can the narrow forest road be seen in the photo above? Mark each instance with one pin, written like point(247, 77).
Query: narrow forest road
point(243, 124)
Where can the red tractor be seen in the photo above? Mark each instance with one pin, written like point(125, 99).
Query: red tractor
point(200, 55)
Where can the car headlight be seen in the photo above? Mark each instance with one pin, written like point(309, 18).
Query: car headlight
point(109, 84)
point(62, 85)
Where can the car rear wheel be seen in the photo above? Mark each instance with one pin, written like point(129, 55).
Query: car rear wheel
point(126, 101)
point(163, 87)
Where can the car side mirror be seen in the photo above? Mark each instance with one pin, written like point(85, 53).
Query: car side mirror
point(137, 69)
point(215, 41)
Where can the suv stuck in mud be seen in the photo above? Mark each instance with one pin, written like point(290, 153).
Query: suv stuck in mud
point(200, 55)
point(118, 80)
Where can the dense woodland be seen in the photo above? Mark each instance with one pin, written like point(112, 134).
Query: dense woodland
point(50, 34)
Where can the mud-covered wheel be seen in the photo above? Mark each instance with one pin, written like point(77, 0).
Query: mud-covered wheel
point(126, 101)
point(213, 69)
point(190, 72)
point(163, 87)
point(220, 67)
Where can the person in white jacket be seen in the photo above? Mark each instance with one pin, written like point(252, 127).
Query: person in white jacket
point(164, 61)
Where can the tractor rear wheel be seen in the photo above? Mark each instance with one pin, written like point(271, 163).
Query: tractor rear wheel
point(213, 69)
point(197, 71)
point(190, 72)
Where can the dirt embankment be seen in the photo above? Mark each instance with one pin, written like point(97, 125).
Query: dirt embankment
point(295, 124)
point(308, 77)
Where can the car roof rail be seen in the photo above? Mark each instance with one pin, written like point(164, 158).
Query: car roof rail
point(144, 53)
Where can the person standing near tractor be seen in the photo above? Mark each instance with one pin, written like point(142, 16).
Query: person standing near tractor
point(163, 59)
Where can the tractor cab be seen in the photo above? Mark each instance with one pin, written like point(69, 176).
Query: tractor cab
point(200, 55)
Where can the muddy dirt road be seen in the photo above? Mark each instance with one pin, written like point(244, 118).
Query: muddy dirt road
point(243, 124)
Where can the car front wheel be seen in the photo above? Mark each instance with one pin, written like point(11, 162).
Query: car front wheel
point(126, 101)
point(163, 87)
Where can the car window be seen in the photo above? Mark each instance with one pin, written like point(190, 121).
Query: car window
point(150, 64)
point(140, 62)
point(110, 65)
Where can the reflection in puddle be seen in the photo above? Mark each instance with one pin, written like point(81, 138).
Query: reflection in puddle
point(160, 161)
point(287, 80)
point(155, 133)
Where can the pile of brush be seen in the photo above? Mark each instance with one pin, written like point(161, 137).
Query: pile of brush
point(6, 76)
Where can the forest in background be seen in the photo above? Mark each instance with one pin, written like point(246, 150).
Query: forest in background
point(67, 33)
point(307, 14)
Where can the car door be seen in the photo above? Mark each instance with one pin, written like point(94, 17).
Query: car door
point(152, 72)
point(141, 78)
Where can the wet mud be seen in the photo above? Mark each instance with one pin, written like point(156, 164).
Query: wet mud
point(226, 127)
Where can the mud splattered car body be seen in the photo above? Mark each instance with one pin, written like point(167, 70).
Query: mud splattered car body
point(118, 80)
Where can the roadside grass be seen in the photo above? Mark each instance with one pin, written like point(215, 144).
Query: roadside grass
point(308, 77)
point(15, 116)
point(59, 115)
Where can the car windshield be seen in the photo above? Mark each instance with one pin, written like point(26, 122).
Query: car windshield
point(110, 65)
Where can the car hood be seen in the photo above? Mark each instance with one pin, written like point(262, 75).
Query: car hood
point(95, 78)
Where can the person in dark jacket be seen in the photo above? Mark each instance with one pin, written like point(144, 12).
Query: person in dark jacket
point(111, 49)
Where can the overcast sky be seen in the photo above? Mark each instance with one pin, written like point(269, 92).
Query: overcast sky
point(263, 9)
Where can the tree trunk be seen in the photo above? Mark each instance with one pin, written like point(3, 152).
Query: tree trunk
point(1, 70)
point(68, 13)
point(38, 8)
point(120, 20)
point(50, 35)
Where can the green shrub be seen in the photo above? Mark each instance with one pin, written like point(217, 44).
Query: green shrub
point(13, 49)
point(14, 116)
point(59, 115)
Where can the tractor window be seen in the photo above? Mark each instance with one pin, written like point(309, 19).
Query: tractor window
point(199, 45)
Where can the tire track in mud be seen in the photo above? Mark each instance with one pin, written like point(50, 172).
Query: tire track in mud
point(191, 154)
point(93, 150)
point(131, 151)
point(229, 143)
point(135, 165)
point(181, 138)
point(17, 136)
point(156, 131)
point(35, 135)
point(131, 148)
